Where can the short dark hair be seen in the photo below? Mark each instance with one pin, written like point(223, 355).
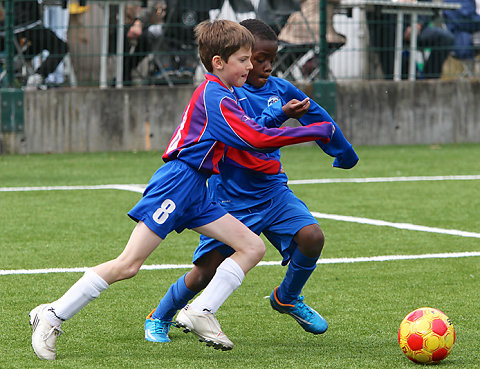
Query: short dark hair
point(221, 37)
point(260, 29)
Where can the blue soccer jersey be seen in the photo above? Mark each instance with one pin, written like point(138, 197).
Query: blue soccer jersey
point(176, 196)
point(270, 98)
point(238, 189)
point(213, 120)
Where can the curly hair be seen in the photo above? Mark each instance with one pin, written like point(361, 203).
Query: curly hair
point(260, 29)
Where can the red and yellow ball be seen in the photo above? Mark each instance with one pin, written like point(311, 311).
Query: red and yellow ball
point(426, 335)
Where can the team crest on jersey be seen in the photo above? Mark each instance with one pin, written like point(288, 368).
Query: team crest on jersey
point(245, 118)
point(272, 100)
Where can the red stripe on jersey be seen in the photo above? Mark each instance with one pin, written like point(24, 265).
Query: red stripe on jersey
point(244, 159)
point(258, 136)
point(181, 133)
point(219, 151)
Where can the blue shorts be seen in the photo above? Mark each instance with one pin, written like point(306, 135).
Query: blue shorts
point(176, 198)
point(279, 219)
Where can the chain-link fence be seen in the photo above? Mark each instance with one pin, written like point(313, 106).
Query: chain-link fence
point(150, 42)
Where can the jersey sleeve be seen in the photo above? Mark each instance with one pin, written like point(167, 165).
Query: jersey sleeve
point(241, 132)
point(256, 161)
point(338, 147)
point(272, 116)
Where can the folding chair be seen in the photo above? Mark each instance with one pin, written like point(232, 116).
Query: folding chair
point(21, 67)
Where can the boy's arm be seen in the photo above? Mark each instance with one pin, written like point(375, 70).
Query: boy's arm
point(272, 116)
point(342, 150)
point(243, 133)
point(276, 114)
point(338, 147)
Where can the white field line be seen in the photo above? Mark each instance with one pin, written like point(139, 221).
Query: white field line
point(262, 263)
point(382, 223)
point(384, 179)
point(140, 188)
point(130, 187)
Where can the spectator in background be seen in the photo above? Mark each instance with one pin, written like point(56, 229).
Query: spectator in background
point(56, 17)
point(28, 26)
point(166, 26)
point(142, 26)
point(179, 40)
point(463, 23)
point(382, 28)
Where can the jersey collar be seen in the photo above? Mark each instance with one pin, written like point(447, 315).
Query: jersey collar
point(214, 78)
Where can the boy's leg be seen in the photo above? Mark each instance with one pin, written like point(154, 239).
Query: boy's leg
point(157, 324)
point(199, 317)
point(228, 278)
point(303, 262)
point(46, 319)
point(188, 285)
point(296, 234)
point(209, 254)
point(286, 298)
point(440, 42)
point(249, 247)
point(249, 250)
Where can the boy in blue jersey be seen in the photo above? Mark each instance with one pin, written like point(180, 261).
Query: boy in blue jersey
point(262, 202)
point(176, 196)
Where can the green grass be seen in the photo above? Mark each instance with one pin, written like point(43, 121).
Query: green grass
point(364, 303)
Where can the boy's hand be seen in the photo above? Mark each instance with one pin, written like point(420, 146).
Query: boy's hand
point(295, 108)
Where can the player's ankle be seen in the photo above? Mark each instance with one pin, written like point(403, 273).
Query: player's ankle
point(49, 314)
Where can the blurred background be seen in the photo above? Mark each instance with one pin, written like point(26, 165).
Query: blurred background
point(116, 43)
point(87, 75)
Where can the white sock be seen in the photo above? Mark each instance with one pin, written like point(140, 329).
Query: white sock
point(228, 278)
point(86, 289)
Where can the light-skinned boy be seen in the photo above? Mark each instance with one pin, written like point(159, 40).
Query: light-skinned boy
point(176, 196)
point(262, 202)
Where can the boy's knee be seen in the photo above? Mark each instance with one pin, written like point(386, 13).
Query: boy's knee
point(199, 277)
point(257, 249)
point(310, 241)
point(203, 270)
point(130, 272)
point(124, 270)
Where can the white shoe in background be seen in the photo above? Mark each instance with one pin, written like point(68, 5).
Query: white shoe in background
point(34, 82)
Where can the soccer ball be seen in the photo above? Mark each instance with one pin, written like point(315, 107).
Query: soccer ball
point(426, 335)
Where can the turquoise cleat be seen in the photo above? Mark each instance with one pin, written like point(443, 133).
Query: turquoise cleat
point(156, 330)
point(308, 318)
